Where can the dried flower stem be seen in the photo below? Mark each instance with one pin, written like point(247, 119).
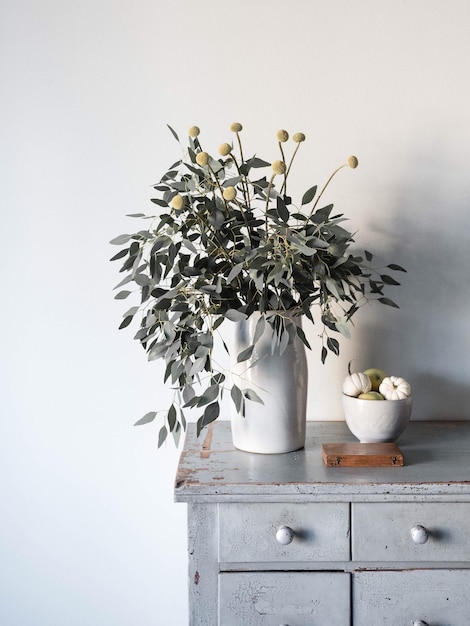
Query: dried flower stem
point(244, 183)
point(325, 186)
point(284, 186)
point(267, 204)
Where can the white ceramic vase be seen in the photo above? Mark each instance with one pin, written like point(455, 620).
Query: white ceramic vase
point(280, 380)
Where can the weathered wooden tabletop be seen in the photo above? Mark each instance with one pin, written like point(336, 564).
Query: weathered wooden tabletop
point(437, 464)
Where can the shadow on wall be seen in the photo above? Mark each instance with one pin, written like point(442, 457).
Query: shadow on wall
point(440, 398)
point(428, 340)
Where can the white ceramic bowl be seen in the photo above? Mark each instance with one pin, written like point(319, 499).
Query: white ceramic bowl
point(376, 421)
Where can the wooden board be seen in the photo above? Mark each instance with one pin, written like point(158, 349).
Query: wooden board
point(362, 455)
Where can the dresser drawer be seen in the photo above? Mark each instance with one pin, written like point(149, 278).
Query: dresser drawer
point(411, 532)
point(249, 532)
point(273, 599)
point(433, 597)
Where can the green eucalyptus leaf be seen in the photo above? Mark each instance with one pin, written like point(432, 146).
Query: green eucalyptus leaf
point(334, 288)
point(146, 419)
point(171, 417)
point(245, 354)
point(235, 316)
point(173, 132)
point(211, 413)
point(309, 195)
point(120, 240)
point(119, 255)
point(333, 345)
point(197, 366)
point(162, 435)
point(284, 342)
point(343, 328)
point(388, 280)
point(237, 397)
point(209, 395)
point(217, 323)
point(177, 434)
point(183, 419)
point(142, 279)
point(397, 268)
point(259, 329)
point(122, 295)
point(236, 269)
point(232, 182)
point(126, 321)
point(282, 209)
point(131, 312)
point(303, 337)
point(124, 281)
point(388, 302)
point(250, 394)
point(256, 162)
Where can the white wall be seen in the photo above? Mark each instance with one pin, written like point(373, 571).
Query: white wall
point(89, 534)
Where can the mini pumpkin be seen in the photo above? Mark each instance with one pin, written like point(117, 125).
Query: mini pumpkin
point(395, 388)
point(356, 383)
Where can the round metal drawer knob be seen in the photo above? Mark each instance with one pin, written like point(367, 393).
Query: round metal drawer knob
point(419, 535)
point(284, 535)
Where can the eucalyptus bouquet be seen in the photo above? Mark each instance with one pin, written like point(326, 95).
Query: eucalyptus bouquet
point(227, 240)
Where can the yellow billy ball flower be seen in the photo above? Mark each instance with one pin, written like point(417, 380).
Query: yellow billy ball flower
point(279, 167)
point(194, 131)
point(353, 162)
point(225, 149)
point(177, 202)
point(298, 137)
point(229, 193)
point(236, 127)
point(202, 158)
point(282, 135)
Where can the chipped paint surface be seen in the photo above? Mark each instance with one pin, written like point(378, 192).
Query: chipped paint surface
point(436, 466)
point(287, 597)
point(352, 559)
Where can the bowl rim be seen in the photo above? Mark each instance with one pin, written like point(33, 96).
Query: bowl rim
point(399, 401)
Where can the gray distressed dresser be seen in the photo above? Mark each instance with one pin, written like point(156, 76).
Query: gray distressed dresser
point(283, 540)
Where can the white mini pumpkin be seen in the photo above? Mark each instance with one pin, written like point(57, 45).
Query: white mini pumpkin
point(395, 388)
point(356, 383)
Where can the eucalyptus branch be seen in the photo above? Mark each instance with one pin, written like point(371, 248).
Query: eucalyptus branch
point(216, 240)
point(181, 262)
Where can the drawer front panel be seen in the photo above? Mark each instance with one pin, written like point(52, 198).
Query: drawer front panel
point(408, 597)
point(383, 532)
point(247, 532)
point(272, 599)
